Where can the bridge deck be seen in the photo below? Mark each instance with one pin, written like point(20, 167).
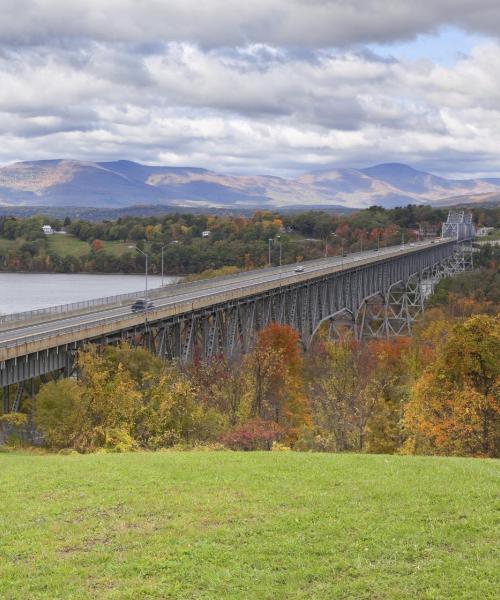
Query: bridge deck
point(180, 299)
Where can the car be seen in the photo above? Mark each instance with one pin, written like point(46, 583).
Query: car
point(412, 244)
point(142, 304)
point(299, 269)
point(402, 247)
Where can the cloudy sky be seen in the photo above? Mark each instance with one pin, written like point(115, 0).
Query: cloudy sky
point(254, 86)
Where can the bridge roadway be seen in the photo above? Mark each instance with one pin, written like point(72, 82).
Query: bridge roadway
point(27, 338)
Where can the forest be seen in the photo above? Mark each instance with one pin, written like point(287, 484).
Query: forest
point(437, 392)
point(236, 241)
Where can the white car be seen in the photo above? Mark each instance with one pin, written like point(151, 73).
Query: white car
point(299, 269)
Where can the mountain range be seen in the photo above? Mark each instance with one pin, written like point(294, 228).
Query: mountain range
point(56, 183)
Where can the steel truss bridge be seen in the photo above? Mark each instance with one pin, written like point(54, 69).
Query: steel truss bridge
point(376, 293)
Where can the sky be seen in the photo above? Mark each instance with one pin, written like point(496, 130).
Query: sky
point(262, 86)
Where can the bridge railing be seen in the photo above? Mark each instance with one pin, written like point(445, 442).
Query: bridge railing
point(30, 315)
point(351, 262)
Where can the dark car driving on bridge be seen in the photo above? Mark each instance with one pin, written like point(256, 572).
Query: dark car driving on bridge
point(142, 304)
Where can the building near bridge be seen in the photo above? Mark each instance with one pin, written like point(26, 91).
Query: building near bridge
point(482, 231)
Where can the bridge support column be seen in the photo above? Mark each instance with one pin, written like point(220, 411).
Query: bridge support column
point(6, 399)
point(340, 322)
point(391, 315)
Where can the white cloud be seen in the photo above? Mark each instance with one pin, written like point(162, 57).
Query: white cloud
point(214, 23)
point(253, 86)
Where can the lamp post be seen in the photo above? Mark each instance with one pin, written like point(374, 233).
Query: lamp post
point(270, 241)
point(326, 242)
point(146, 290)
point(278, 237)
point(162, 248)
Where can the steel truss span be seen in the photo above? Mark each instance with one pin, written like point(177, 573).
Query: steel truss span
point(381, 296)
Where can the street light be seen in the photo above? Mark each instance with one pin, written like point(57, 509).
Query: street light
point(270, 241)
point(278, 237)
point(162, 248)
point(326, 243)
point(146, 290)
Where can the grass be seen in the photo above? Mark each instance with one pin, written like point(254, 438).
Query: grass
point(68, 245)
point(247, 525)
point(116, 248)
point(6, 244)
point(494, 235)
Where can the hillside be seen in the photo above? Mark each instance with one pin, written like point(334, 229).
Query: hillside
point(247, 525)
point(56, 183)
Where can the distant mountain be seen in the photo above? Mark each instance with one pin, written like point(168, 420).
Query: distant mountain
point(117, 184)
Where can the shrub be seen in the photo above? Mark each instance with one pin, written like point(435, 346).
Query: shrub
point(13, 428)
point(256, 434)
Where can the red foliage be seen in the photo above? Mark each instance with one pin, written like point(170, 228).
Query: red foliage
point(256, 434)
point(283, 339)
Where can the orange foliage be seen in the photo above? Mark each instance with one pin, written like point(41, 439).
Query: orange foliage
point(454, 407)
point(278, 369)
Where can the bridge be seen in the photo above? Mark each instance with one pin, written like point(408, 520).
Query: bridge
point(376, 293)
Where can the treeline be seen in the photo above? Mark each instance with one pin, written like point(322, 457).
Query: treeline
point(242, 242)
point(436, 393)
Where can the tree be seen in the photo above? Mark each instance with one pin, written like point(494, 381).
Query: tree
point(276, 372)
point(454, 406)
point(356, 395)
point(96, 245)
point(59, 412)
point(95, 412)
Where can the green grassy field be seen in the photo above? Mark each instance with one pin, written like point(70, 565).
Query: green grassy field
point(68, 245)
point(8, 244)
point(116, 248)
point(276, 525)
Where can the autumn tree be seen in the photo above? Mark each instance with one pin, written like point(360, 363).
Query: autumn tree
point(341, 399)
point(455, 405)
point(223, 385)
point(94, 412)
point(276, 372)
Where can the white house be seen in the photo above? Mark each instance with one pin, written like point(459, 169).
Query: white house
point(482, 231)
point(205, 233)
point(47, 229)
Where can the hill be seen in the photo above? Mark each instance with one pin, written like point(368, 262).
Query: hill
point(112, 185)
point(247, 525)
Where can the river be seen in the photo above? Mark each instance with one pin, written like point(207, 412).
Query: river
point(29, 291)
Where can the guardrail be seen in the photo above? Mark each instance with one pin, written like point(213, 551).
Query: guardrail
point(62, 308)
